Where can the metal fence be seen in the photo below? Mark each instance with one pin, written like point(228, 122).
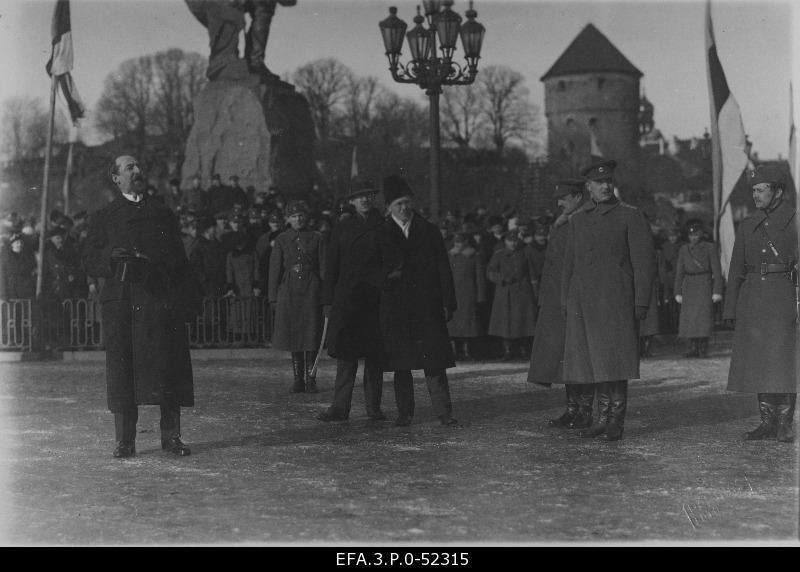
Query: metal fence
point(76, 324)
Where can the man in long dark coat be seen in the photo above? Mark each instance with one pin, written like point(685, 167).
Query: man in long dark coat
point(417, 301)
point(350, 296)
point(606, 288)
point(761, 303)
point(134, 244)
point(547, 355)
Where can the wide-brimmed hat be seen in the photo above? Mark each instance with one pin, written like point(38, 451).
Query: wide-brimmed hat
point(395, 187)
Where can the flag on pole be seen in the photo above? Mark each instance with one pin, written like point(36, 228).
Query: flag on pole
point(728, 144)
point(60, 63)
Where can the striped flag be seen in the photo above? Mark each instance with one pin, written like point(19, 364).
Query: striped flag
point(729, 154)
point(60, 63)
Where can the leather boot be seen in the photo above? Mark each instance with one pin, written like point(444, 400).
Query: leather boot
point(693, 350)
point(702, 347)
point(298, 367)
point(768, 426)
point(585, 396)
point(507, 355)
point(311, 382)
point(125, 433)
point(603, 412)
point(572, 409)
point(619, 404)
point(785, 408)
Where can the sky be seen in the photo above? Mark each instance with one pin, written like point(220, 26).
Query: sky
point(663, 38)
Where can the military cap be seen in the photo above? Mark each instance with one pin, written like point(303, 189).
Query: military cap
point(216, 177)
point(766, 174)
point(471, 229)
point(566, 187)
point(511, 235)
point(175, 182)
point(222, 215)
point(493, 220)
point(394, 188)
point(696, 227)
point(275, 216)
point(205, 223)
point(56, 231)
point(296, 207)
point(253, 212)
point(600, 171)
point(359, 186)
point(15, 237)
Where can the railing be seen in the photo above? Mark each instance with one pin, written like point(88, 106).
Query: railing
point(76, 324)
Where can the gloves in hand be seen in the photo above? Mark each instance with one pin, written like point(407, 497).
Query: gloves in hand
point(716, 298)
point(679, 298)
point(326, 311)
point(641, 312)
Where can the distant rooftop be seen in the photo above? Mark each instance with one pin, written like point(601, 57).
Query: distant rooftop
point(591, 52)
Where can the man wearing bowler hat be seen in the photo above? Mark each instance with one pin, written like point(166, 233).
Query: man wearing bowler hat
point(350, 296)
point(605, 291)
point(134, 244)
point(547, 355)
point(417, 301)
point(762, 305)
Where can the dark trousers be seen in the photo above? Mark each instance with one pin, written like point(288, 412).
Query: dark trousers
point(125, 423)
point(345, 381)
point(438, 387)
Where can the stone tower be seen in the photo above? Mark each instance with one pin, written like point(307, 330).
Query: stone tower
point(592, 109)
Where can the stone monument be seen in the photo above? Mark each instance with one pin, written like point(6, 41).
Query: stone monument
point(247, 122)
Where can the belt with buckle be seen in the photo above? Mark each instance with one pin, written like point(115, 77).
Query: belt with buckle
point(765, 268)
point(297, 268)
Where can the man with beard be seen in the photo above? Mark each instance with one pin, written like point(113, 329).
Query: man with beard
point(762, 305)
point(417, 301)
point(606, 287)
point(134, 244)
point(547, 356)
point(350, 297)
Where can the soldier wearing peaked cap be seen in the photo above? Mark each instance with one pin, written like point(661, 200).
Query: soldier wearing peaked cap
point(761, 303)
point(609, 266)
point(547, 355)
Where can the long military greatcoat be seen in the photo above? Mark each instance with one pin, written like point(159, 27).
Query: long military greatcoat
point(469, 277)
point(144, 323)
point(513, 308)
point(765, 341)
point(608, 270)
point(413, 327)
point(698, 275)
point(352, 287)
point(295, 283)
point(547, 354)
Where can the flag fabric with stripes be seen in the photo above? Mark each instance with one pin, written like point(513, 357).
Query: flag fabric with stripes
point(729, 152)
point(60, 63)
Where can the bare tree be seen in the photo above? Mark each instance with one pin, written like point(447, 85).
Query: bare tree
point(325, 84)
point(510, 114)
point(360, 99)
point(462, 113)
point(24, 126)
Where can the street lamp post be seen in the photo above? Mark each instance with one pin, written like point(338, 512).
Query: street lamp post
point(427, 68)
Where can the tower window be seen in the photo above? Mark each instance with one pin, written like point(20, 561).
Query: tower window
point(600, 82)
point(570, 122)
point(593, 122)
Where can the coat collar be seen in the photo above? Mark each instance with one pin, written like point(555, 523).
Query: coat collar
point(780, 217)
point(602, 208)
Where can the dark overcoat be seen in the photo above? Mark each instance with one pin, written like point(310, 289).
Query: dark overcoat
point(764, 353)
point(144, 323)
point(608, 271)
point(698, 275)
point(295, 284)
point(413, 326)
point(352, 287)
point(17, 274)
point(208, 261)
point(513, 308)
point(469, 277)
point(547, 353)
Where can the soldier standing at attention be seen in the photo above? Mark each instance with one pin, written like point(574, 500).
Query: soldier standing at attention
point(698, 286)
point(295, 287)
point(606, 288)
point(762, 305)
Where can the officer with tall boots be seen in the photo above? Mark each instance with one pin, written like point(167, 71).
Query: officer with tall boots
point(547, 355)
point(606, 287)
point(135, 245)
point(350, 297)
point(761, 303)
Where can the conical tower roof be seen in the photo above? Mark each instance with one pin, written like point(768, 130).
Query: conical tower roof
point(591, 52)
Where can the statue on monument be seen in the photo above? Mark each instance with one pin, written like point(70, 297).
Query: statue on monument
point(225, 20)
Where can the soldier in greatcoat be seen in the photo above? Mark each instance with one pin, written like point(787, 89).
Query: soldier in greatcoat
point(351, 296)
point(417, 301)
point(134, 244)
point(761, 303)
point(547, 355)
point(469, 277)
point(606, 288)
point(698, 286)
point(294, 291)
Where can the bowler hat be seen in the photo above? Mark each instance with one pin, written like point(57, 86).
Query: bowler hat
point(566, 187)
point(394, 188)
point(766, 174)
point(600, 171)
point(359, 186)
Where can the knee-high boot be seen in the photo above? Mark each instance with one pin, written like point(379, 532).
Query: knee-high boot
point(603, 411)
point(768, 427)
point(585, 397)
point(571, 411)
point(298, 368)
point(619, 405)
point(785, 408)
point(311, 381)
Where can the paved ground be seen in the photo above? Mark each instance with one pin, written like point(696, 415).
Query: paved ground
point(265, 471)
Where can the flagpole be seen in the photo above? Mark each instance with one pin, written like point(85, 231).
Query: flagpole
point(45, 185)
point(67, 176)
